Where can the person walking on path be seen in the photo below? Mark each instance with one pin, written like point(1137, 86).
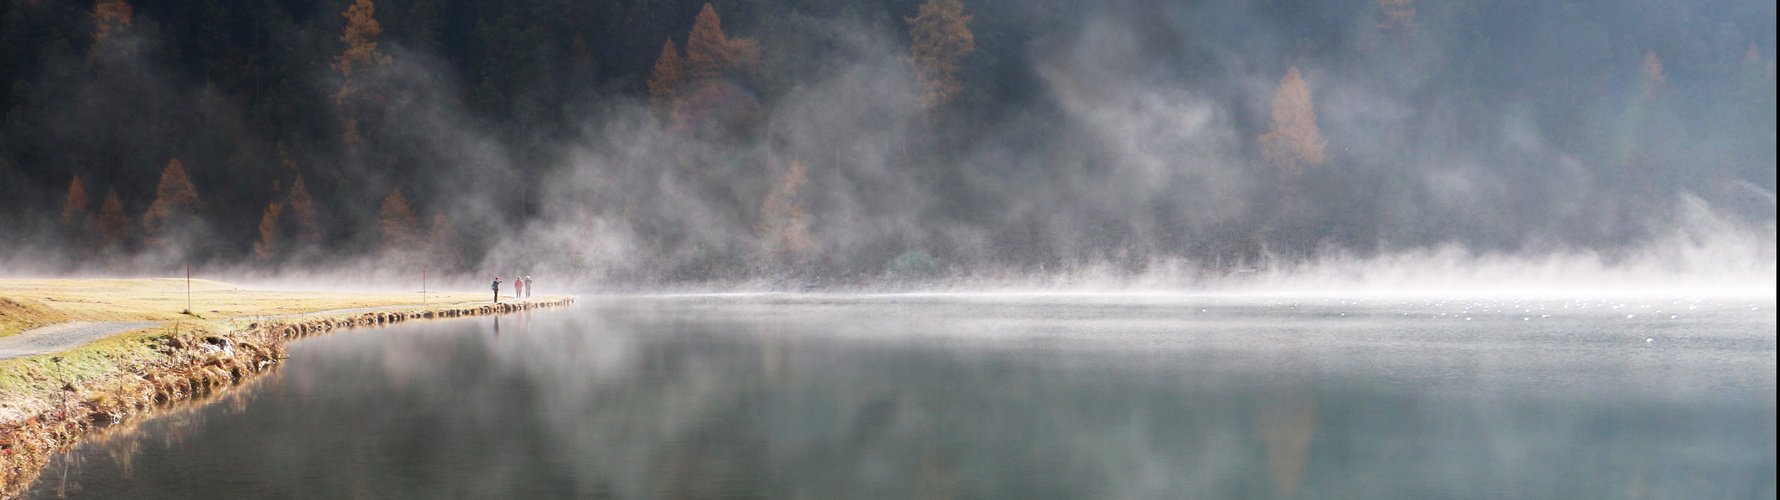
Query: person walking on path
point(528, 286)
point(497, 289)
point(518, 288)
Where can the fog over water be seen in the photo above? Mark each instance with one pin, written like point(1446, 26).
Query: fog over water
point(1093, 144)
point(991, 396)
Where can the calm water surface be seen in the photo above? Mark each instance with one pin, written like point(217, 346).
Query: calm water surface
point(985, 396)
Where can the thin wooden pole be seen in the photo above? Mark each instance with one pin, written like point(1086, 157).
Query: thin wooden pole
point(188, 288)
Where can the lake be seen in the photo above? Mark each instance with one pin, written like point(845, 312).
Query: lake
point(1020, 396)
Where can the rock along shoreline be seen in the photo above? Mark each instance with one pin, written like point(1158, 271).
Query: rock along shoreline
point(192, 364)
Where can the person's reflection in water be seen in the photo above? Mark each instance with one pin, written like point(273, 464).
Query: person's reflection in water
point(497, 327)
point(1287, 421)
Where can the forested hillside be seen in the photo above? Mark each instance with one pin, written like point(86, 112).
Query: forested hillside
point(650, 141)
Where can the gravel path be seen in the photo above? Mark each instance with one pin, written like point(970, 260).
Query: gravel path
point(63, 337)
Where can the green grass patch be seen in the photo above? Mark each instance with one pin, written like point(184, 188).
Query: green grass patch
point(43, 376)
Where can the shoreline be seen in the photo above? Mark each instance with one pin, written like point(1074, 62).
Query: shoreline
point(51, 401)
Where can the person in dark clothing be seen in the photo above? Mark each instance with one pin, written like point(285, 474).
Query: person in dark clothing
point(528, 286)
point(497, 289)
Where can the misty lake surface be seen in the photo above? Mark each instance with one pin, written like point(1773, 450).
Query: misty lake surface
point(990, 396)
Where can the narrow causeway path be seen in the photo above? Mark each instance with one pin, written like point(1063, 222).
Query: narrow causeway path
point(65, 336)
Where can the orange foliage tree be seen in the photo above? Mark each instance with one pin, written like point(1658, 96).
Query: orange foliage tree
point(267, 247)
point(1294, 142)
point(666, 78)
point(361, 39)
point(784, 228)
point(361, 55)
point(176, 202)
point(941, 41)
point(710, 55)
point(110, 18)
point(303, 210)
point(74, 208)
point(113, 224)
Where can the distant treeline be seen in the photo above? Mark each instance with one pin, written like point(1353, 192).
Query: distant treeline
point(286, 131)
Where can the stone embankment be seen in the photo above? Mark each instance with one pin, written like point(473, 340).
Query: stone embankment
point(192, 364)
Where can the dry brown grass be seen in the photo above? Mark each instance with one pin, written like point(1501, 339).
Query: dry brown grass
point(43, 302)
point(18, 314)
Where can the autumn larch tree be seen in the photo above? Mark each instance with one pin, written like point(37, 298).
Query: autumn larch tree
point(1294, 143)
point(74, 208)
point(267, 247)
point(110, 19)
point(303, 210)
point(709, 57)
point(361, 34)
point(709, 54)
point(666, 78)
point(77, 226)
point(113, 223)
point(361, 55)
point(941, 40)
point(784, 228)
point(399, 224)
point(176, 203)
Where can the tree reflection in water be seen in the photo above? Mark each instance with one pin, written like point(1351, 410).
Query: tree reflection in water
point(951, 398)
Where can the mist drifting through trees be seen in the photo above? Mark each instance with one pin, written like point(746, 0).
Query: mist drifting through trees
point(789, 144)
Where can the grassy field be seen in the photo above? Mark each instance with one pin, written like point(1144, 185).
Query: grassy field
point(32, 303)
